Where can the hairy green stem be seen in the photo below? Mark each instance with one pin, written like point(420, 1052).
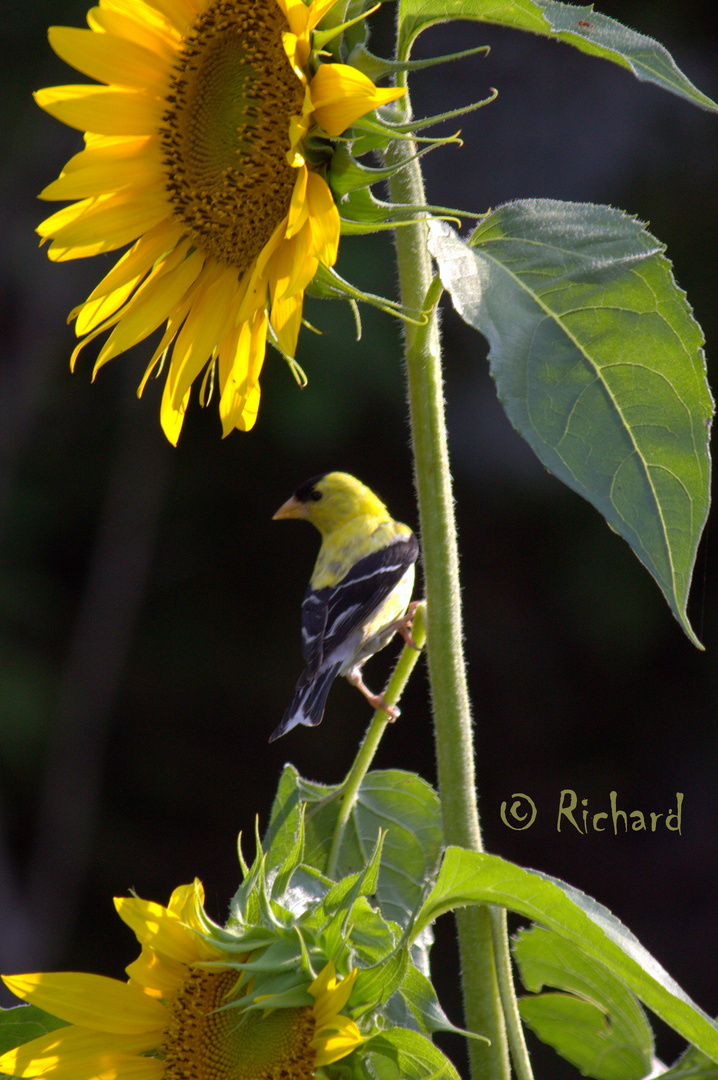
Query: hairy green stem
point(517, 1043)
point(447, 671)
point(370, 743)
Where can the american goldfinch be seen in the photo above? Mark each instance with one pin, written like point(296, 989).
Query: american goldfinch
point(358, 596)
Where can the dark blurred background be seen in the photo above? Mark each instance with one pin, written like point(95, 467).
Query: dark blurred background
point(149, 607)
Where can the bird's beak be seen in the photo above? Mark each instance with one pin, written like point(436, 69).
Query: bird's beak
point(292, 508)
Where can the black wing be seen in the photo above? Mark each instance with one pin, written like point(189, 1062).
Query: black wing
point(330, 615)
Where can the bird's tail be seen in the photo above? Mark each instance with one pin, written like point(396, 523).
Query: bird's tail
point(307, 705)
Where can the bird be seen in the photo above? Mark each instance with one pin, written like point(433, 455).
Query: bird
point(359, 593)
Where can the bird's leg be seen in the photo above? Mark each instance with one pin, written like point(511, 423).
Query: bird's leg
point(375, 700)
point(403, 626)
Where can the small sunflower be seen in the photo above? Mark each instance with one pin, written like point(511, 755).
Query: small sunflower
point(179, 1015)
point(195, 156)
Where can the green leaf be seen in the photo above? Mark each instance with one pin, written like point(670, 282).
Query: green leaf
point(289, 866)
point(375, 985)
point(344, 894)
point(23, 1023)
point(408, 808)
point(293, 792)
point(580, 1032)
point(602, 36)
point(692, 1065)
point(469, 877)
point(598, 1026)
point(372, 937)
point(582, 27)
point(598, 363)
point(399, 802)
point(420, 1001)
point(402, 1054)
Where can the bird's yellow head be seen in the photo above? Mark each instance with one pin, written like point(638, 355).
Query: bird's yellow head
point(331, 501)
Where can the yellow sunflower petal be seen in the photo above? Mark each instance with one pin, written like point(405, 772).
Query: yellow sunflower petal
point(325, 981)
point(207, 324)
point(240, 364)
point(94, 312)
point(250, 411)
point(117, 219)
point(130, 268)
point(104, 308)
point(298, 209)
point(296, 52)
point(171, 330)
point(92, 1001)
point(146, 311)
point(335, 1035)
point(341, 94)
point(108, 110)
point(110, 59)
point(157, 927)
point(330, 995)
point(303, 18)
point(94, 141)
point(174, 325)
point(295, 12)
point(323, 219)
point(141, 24)
point(336, 1040)
point(104, 1066)
point(109, 1067)
point(293, 266)
point(340, 1031)
point(286, 320)
point(162, 930)
point(298, 130)
point(238, 412)
point(157, 975)
point(68, 1045)
point(104, 143)
point(254, 294)
point(187, 901)
point(332, 1048)
point(93, 172)
point(317, 10)
point(111, 321)
point(172, 418)
point(178, 12)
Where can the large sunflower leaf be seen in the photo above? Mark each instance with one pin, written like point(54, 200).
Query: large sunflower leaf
point(470, 877)
point(393, 800)
point(598, 363)
point(597, 1025)
point(582, 27)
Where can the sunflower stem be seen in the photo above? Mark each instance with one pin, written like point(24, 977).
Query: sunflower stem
point(480, 930)
point(370, 743)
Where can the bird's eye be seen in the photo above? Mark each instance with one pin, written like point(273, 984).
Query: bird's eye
point(315, 495)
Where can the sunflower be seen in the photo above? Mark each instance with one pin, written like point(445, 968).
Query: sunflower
point(195, 156)
point(179, 1014)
